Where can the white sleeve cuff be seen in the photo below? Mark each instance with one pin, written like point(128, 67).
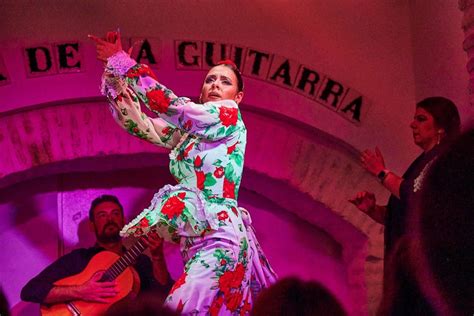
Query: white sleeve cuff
point(120, 63)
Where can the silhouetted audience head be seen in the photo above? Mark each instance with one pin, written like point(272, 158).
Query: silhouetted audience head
point(292, 296)
point(445, 230)
point(4, 308)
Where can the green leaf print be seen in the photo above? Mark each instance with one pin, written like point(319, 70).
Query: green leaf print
point(229, 172)
point(133, 129)
point(207, 192)
point(212, 110)
point(235, 156)
point(218, 253)
point(188, 165)
point(194, 259)
point(210, 181)
point(221, 131)
point(231, 129)
point(171, 111)
point(204, 264)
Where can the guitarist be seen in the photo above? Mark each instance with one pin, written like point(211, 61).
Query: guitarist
point(106, 220)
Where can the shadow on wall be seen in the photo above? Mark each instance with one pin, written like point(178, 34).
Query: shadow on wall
point(25, 210)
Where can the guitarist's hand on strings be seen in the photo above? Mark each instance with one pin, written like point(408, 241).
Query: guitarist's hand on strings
point(155, 243)
point(95, 291)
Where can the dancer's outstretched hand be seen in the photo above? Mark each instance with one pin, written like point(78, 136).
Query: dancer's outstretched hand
point(107, 47)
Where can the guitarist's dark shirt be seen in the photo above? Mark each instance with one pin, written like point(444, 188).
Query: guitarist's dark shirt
point(73, 263)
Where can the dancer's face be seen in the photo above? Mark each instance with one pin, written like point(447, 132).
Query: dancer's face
point(107, 221)
point(220, 84)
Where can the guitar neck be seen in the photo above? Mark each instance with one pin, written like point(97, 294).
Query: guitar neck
point(124, 261)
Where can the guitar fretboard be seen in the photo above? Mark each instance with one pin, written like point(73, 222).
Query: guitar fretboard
point(124, 261)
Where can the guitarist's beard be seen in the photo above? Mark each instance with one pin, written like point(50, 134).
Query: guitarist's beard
point(108, 235)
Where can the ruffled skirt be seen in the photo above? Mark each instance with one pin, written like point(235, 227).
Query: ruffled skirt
point(225, 267)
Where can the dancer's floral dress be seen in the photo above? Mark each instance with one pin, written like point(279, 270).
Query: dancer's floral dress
point(224, 265)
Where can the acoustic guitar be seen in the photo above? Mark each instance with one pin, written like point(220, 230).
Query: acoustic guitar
point(116, 268)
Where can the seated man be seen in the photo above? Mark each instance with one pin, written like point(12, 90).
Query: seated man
point(106, 219)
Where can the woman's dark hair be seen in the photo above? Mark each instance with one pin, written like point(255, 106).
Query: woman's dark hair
point(101, 199)
point(445, 114)
point(230, 64)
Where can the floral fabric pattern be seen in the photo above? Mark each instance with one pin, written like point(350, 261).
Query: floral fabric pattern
point(225, 267)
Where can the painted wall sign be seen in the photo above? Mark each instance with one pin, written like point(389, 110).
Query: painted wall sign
point(274, 69)
point(48, 59)
point(67, 57)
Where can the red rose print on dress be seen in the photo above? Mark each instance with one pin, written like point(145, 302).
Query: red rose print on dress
point(180, 307)
point(233, 301)
point(239, 273)
point(146, 71)
point(231, 149)
point(200, 179)
point(225, 280)
point(232, 279)
point(228, 116)
point(234, 210)
point(246, 307)
point(144, 222)
point(222, 215)
point(229, 189)
point(173, 207)
point(219, 172)
point(185, 152)
point(158, 101)
point(166, 130)
point(142, 70)
point(198, 162)
point(179, 282)
point(187, 126)
point(133, 72)
point(216, 306)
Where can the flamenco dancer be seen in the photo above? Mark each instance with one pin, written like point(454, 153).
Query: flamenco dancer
point(225, 267)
